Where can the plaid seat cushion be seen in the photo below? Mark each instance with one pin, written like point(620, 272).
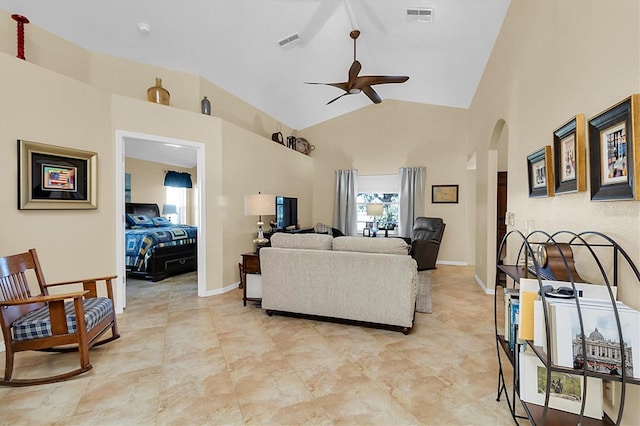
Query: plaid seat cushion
point(37, 324)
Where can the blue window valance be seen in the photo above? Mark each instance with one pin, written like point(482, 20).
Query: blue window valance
point(178, 180)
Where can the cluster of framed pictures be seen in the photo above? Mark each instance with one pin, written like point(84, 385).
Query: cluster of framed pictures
point(613, 141)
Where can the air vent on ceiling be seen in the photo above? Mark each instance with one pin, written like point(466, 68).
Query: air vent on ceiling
point(420, 14)
point(289, 41)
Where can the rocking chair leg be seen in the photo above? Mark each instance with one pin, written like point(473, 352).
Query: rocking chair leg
point(8, 366)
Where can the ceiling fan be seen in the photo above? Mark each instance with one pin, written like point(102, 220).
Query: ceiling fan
point(357, 84)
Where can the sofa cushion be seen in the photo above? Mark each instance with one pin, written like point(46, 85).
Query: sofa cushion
point(301, 241)
point(371, 245)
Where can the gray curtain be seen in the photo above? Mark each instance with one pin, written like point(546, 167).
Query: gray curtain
point(345, 214)
point(411, 198)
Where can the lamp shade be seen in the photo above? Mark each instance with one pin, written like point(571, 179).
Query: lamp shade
point(169, 209)
point(259, 204)
point(375, 209)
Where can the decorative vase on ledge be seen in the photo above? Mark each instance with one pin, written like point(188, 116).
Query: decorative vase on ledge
point(158, 94)
point(205, 106)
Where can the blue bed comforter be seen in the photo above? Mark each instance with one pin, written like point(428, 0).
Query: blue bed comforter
point(141, 243)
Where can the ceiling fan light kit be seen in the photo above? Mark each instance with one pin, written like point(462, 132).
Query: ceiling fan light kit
point(357, 84)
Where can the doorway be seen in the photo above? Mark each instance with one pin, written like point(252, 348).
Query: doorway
point(501, 209)
point(124, 137)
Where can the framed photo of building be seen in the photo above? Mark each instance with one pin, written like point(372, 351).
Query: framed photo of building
point(613, 145)
point(569, 156)
point(56, 178)
point(540, 170)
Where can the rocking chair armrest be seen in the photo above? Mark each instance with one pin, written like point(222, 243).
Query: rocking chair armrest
point(86, 280)
point(90, 284)
point(44, 299)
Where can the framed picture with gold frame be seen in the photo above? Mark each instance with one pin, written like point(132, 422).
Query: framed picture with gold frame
point(569, 156)
point(540, 170)
point(56, 178)
point(614, 141)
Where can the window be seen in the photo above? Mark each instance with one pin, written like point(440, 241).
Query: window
point(389, 218)
point(382, 189)
point(177, 197)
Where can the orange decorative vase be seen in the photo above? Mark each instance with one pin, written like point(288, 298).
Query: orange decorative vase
point(158, 94)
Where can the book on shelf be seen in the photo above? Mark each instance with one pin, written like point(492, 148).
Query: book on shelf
point(513, 322)
point(565, 390)
point(509, 294)
point(528, 293)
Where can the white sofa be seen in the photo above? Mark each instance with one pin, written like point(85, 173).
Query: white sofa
point(370, 280)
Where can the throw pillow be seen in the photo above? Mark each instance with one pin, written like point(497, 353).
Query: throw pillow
point(161, 221)
point(140, 220)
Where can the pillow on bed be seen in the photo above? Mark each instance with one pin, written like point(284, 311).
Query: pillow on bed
point(161, 221)
point(139, 220)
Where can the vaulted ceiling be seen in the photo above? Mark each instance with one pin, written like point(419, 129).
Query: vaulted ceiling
point(235, 45)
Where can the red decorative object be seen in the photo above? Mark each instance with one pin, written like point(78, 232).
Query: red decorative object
point(21, 20)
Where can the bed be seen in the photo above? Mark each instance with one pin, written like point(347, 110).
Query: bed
point(154, 247)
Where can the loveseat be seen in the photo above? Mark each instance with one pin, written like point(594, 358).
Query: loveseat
point(367, 280)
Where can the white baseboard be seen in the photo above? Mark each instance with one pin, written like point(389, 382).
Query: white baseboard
point(222, 290)
point(482, 286)
point(451, 262)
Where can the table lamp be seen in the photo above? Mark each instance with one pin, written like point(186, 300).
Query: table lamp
point(375, 210)
point(168, 209)
point(258, 205)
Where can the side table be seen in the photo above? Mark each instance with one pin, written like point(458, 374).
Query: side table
point(250, 278)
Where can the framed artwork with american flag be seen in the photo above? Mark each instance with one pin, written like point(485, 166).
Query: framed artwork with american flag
point(55, 178)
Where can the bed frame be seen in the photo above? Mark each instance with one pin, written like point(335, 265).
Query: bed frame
point(165, 261)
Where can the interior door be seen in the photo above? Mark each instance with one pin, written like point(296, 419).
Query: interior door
point(501, 210)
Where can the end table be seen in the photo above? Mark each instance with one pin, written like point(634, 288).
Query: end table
point(250, 278)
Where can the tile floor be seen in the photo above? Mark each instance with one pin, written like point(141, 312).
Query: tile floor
point(186, 360)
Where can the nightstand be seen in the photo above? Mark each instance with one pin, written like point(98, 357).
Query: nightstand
point(250, 278)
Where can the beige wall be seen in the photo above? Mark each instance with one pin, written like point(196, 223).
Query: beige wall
point(42, 106)
point(254, 164)
point(553, 60)
point(73, 114)
point(379, 139)
point(542, 72)
point(147, 183)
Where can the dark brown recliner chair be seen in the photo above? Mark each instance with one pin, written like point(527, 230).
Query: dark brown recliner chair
point(425, 241)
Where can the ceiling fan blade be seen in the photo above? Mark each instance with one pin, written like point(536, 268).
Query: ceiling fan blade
point(342, 86)
point(354, 70)
point(335, 99)
point(323, 13)
point(370, 80)
point(371, 94)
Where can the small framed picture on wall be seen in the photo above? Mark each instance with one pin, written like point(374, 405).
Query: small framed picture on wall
point(613, 146)
point(569, 156)
point(540, 170)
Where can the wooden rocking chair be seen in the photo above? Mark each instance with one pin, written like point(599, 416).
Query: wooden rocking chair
point(46, 322)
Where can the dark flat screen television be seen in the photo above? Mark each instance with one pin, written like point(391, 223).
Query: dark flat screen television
point(286, 212)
